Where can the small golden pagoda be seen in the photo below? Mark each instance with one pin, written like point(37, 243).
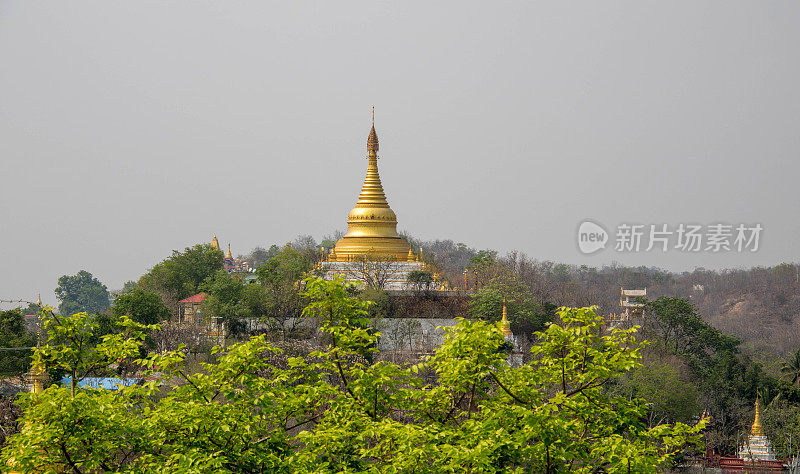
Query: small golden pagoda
point(757, 446)
point(505, 325)
point(372, 225)
point(215, 242)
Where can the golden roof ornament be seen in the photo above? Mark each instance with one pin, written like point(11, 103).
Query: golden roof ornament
point(228, 253)
point(215, 242)
point(372, 141)
point(505, 326)
point(39, 300)
point(757, 429)
point(410, 254)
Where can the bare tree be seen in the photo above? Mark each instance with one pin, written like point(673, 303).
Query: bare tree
point(374, 271)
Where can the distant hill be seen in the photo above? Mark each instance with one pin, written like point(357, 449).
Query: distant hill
point(760, 305)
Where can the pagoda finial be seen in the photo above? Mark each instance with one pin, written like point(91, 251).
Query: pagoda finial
point(39, 300)
point(505, 326)
point(372, 141)
point(757, 429)
point(228, 254)
point(215, 242)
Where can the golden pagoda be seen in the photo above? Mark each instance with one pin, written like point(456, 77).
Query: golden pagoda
point(372, 225)
point(505, 326)
point(215, 242)
point(228, 253)
point(757, 446)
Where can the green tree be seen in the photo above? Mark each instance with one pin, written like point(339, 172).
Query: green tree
point(257, 410)
point(682, 330)
point(128, 286)
point(81, 293)
point(669, 399)
point(13, 335)
point(525, 314)
point(182, 274)
point(226, 301)
point(280, 277)
point(781, 426)
point(142, 306)
point(791, 368)
point(420, 280)
point(70, 345)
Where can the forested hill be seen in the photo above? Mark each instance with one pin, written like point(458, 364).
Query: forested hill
point(761, 305)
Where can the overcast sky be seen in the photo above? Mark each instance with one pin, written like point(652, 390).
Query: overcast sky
point(129, 129)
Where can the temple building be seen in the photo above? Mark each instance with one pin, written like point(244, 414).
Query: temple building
point(757, 446)
point(372, 253)
point(230, 264)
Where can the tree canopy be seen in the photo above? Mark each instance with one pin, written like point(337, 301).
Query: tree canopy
point(81, 292)
point(181, 275)
point(14, 335)
point(256, 409)
point(142, 306)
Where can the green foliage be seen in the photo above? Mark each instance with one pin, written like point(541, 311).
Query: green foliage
point(142, 306)
point(70, 345)
point(280, 278)
point(683, 331)
point(13, 334)
point(181, 275)
point(791, 368)
point(782, 427)
point(343, 315)
point(226, 300)
point(669, 399)
point(482, 259)
point(420, 280)
point(524, 313)
point(81, 293)
point(258, 410)
point(381, 305)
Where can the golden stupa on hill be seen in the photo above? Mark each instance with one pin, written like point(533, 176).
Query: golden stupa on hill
point(372, 252)
point(372, 225)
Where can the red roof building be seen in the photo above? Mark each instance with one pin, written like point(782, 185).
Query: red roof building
point(189, 308)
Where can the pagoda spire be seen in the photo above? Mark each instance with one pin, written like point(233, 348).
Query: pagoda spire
point(505, 326)
point(228, 254)
point(39, 300)
point(215, 242)
point(757, 429)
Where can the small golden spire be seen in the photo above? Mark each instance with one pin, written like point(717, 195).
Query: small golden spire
point(39, 300)
point(505, 326)
point(228, 254)
point(410, 254)
point(757, 429)
point(372, 141)
point(215, 242)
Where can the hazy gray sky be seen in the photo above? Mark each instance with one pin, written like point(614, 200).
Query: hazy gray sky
point(129, 129)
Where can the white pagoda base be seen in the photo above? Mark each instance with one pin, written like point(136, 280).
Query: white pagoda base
point(756, 448)
point(394, 275)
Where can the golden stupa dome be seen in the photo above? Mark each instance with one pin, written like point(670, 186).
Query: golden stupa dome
point(371, 225)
